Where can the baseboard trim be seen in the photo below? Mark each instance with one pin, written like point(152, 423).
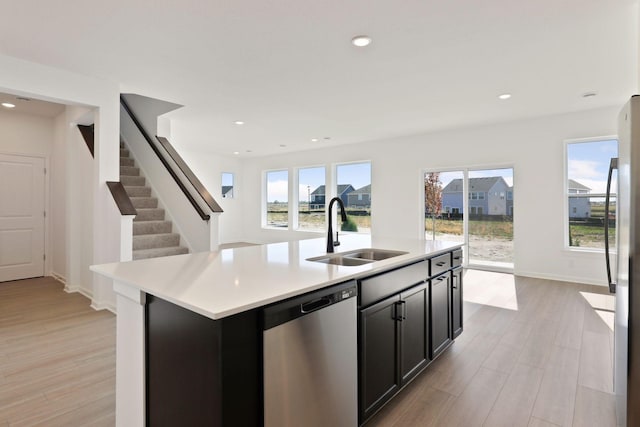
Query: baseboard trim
point(578, 280)
point(59, 278)
point(97, 305)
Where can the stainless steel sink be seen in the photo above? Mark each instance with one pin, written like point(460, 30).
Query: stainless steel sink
point(373, 254)
point(357, 257)
point(339, 260)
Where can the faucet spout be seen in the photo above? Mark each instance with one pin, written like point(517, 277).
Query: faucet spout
point(330, 243)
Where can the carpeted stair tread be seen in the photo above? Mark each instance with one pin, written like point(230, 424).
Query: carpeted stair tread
point(159, 252)
point(144, 202)
point(150, 241)
point(151, 227)
point(137, 191)
point(132, 180)
point(152, 236)
point(144, 214)
point(129, 171)
point(126, 161)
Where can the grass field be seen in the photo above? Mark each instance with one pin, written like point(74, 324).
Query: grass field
point(277, 216)
point(489, 229)
point(590, 236)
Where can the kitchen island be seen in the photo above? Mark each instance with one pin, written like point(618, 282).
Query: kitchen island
point(227, 289)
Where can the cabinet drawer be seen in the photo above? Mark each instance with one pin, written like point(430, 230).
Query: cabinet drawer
point(440, 264)
point(375, 288)
point(456, 258)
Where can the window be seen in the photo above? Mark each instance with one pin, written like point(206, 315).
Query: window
point(481, 195)
point(587, 169)
point(311, 198)
point(277, 206)
point(354, 189)
point(227, 185)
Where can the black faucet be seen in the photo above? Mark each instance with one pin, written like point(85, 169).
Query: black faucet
point(330, 243)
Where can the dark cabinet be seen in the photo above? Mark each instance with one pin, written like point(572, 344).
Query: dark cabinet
point(406, 320)
point(414, 331)
point(393, 346)
point(379, 338)
point(456, 301)
point(440, 311)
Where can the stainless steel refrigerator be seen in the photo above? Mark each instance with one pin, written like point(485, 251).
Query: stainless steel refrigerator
point(627, 320)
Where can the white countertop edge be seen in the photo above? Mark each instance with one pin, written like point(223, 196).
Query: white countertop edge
point(356, 272)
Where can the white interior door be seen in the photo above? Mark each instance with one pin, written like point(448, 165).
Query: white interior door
point(21, 217)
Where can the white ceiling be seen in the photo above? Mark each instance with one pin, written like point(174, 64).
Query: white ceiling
point(287, 68)
point(30, 106)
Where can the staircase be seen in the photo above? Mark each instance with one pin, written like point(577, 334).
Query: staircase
point(152, 236)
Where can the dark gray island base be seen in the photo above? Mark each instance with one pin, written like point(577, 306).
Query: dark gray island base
point(210, 372)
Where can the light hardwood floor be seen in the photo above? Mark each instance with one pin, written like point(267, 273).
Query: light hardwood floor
point(533, 353)
point(57, 357)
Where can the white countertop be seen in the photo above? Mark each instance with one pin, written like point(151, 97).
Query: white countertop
point(230, 281)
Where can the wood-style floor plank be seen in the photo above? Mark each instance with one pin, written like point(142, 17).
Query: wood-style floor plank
point(594, 408)
point(57, 357)
point(533, 353)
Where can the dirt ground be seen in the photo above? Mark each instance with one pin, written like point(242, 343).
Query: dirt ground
point(483, 249)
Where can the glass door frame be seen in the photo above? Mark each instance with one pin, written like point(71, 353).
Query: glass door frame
point(465, 214)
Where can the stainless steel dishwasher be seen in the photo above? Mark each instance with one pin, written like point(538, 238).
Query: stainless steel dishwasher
point(310, 359)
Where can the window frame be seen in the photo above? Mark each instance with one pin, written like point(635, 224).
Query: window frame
point(578, 195)
point(265, 199)
point(294, 217)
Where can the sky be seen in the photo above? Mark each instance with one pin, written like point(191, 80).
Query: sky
point(356, 174)
point(588, 163)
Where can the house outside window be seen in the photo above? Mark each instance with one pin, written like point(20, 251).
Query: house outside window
point(587, 168)
point(311, 199)
point(354, 189)
point(277, 199)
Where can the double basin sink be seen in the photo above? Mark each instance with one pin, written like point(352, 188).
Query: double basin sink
point(357, 257)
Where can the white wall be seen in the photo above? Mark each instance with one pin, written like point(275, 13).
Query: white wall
point(208, 167)
point(534, 148)
point(25, 134)
point(58, 198)
point(37, 81)
point(35, 136)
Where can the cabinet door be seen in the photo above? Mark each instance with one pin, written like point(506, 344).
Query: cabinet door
point(440, 297)
point(456, 303)
point(379, 379)
point(414, 331)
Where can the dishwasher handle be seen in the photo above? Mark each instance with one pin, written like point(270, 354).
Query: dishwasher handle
point(314, 305)
point(303, 305)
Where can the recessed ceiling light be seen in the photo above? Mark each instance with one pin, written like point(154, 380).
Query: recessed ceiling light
point(249, 151)
point(326, 138)
point(236, 152)
point(239, 122)
point(8, 105)
point(504, 96)
point(22, 98)
point(361, 41)
point(589, 94)
point(314, 139)
point(283, 145)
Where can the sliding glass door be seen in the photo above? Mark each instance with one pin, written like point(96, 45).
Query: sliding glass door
point(490, 202)
point(474, 207)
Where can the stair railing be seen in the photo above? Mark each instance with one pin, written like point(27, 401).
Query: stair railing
point(170, 156)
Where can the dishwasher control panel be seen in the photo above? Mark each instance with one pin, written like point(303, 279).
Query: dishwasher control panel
point(285, 311)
